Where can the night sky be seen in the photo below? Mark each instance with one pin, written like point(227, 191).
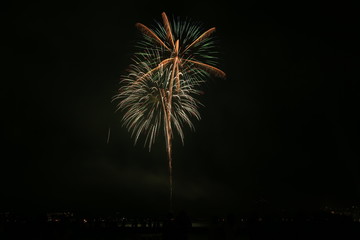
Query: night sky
point(281, 129)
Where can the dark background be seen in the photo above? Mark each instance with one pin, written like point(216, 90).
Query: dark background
point(282, 129)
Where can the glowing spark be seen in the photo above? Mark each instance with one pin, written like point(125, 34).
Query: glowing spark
point(162, 64)
point(168, 29)
point(209, 68)
point(150, 33)
point(202, 37)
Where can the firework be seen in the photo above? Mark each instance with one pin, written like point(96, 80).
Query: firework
point(159, 91)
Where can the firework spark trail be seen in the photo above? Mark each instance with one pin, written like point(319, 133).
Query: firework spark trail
point(108, 137)
point(159, 90)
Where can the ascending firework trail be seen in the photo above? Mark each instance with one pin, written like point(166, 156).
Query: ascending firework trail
point(159, 89)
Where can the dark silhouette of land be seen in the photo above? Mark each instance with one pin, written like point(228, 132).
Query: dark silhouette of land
point(180, 226)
